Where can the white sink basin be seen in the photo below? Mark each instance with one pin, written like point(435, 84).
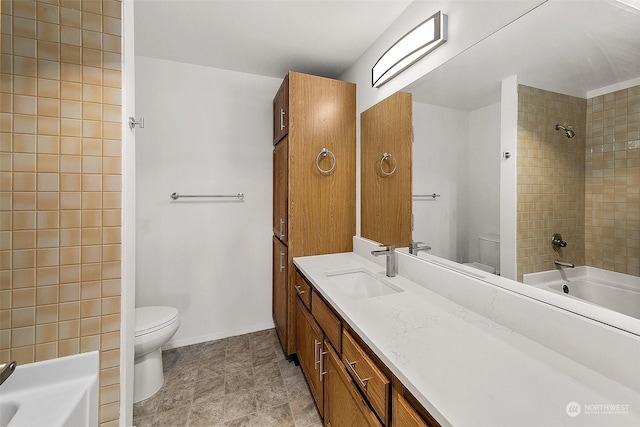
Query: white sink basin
point(360, 283)
point(55, 393)
point(7, 411)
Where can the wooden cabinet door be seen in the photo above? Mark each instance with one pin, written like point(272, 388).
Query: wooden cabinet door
point(322, 205)
point(404, 415)
point(386, 197)
point(281, 111)
point(280, 289)
point(281, 189)
point(309, 348)
point(343, 404)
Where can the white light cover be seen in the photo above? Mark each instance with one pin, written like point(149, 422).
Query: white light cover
point(633, 3)
point(412, 46)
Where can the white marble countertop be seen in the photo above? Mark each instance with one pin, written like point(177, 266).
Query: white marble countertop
point(468, 370)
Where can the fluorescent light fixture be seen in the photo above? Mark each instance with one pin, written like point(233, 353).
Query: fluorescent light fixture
point(410, 48)
point(633, 3)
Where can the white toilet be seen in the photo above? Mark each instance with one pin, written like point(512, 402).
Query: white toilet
point(154, 327)
point(489, 254)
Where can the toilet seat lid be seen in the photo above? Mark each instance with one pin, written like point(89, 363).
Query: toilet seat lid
point(149, 319)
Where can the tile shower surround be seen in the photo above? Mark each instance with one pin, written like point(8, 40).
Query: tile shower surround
point(237, 381)
point(60, 185)
point(612, 181)
point(586, 187)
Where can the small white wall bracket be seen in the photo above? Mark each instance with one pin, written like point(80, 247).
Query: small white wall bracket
point(505, 155)
point(133, 122)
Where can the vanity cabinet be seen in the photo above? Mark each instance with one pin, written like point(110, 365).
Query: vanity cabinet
point(303, 289)
point(343, 406)
point(404, 415)
point(309, 342)
point(314, 180)
point(350, 385)
point(280, 291)
point(371, 381)
point(335, 393)
point(334, 390)
point(328, 321)
point(407, 414)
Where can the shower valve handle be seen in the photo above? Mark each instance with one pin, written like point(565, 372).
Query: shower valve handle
point(557, 242)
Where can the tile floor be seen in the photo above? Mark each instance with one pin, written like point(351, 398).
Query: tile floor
point(237, 381)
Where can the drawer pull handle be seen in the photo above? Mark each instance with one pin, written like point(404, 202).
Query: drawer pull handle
point(315, 353)
point(300, 291)
point(281, 228)
point(282, 113)
point(281, 263)
point(322, 371)
point(363, 381)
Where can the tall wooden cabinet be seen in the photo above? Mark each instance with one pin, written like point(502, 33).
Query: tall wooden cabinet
point(386, 129)
point(313, 180)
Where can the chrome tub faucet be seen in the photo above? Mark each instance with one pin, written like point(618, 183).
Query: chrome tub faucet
point(563, 263)
point(392, 263)
point(6, 369)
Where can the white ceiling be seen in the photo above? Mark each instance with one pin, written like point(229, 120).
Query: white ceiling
point(570, 47)
point(266, 37)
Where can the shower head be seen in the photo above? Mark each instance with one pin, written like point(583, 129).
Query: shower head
point(567, 130)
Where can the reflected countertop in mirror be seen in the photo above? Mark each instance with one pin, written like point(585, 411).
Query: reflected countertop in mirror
point(458, 132)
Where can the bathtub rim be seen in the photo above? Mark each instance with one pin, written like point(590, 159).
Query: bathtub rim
point(538, 284)
point(581, 272)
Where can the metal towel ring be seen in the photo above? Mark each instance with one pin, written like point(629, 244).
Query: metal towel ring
point(323, 153)
point(387, 156)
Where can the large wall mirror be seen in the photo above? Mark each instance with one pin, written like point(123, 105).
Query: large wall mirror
point(577, 66)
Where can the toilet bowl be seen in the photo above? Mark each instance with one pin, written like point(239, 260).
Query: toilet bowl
point(154, 327)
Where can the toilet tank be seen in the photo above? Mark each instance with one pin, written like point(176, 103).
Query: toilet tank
point(490, 250)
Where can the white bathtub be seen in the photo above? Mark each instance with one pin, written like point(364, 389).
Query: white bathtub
point(615, 291)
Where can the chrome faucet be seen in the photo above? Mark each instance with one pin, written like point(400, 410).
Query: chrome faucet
point(564, 263)
point(557, 242)
point(414, 247)
point(390, 253)
point(6, 369)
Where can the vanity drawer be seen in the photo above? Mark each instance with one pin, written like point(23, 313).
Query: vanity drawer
point(328, 321)
point(373, 383)
point(303, 289)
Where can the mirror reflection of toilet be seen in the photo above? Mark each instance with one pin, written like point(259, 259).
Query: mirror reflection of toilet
point(489, 254)
point(154, 327)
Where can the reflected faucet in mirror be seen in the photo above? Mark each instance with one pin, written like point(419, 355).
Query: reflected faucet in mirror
point(563, 263)
point(452, 160)
point(557, 242)
point(414, 247)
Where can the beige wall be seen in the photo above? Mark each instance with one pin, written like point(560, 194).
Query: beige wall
point(60, 185)
point(550, 178)
point(612, 215)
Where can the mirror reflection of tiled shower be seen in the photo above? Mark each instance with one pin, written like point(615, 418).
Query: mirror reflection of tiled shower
point(578, 172)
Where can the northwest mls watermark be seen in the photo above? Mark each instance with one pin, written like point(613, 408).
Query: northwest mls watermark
point(574, 409)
